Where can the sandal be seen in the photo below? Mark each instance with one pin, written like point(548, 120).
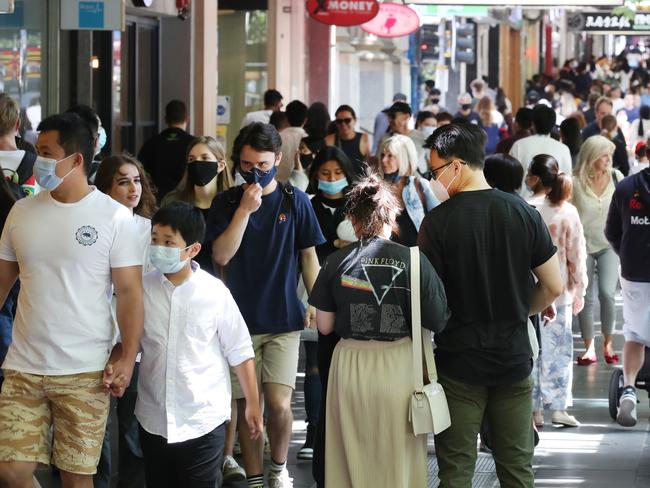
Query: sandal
point(586, 361)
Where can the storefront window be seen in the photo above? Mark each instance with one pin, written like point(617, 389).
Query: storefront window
point(22, 36)
point(242, 37)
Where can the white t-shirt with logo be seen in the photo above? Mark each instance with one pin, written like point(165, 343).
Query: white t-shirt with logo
point(65, 253)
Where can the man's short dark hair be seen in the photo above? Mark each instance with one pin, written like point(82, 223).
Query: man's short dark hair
point(88, 115)
point(176, 112)
point(74, 135)
point(271, 98)
point(183, 218)
point(463, 141)
point(261, 137)
point(544, 118)
point(296, 113)
point(524, 118)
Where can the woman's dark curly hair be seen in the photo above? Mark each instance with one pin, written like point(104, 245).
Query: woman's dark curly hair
point(371, 205)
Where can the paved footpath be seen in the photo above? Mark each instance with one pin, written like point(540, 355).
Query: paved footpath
point(598, 454)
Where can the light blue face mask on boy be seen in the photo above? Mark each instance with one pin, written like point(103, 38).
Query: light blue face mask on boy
point(332, 187)
point(167, 260)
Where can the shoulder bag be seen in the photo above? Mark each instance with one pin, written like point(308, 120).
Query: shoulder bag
point(429, 411)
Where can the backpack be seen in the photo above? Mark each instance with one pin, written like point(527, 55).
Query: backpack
point(21, 182)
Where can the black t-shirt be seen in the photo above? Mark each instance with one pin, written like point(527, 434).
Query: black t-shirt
point(204, 257)
point(367, 285)
point(330, 213)
point(483, 244)
point(407, 234)
point(164, 156)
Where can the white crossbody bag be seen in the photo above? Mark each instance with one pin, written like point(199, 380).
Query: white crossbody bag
point(429, 411)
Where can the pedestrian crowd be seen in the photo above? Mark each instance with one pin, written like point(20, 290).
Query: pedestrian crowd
point(183, 282)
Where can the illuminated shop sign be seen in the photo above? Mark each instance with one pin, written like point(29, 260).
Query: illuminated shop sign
point(606, 22)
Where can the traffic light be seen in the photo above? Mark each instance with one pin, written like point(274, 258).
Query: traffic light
point(429, 43)
point(465, 43)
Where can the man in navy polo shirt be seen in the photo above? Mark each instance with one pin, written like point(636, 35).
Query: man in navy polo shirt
point(259, 231)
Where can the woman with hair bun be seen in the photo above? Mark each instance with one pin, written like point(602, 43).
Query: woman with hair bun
point(553, 374)
point(363, 294)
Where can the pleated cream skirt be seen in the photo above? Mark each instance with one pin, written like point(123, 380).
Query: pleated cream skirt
point(369, 441)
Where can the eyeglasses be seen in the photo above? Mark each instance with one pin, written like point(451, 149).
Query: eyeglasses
point(434, 176)
point(347, 120)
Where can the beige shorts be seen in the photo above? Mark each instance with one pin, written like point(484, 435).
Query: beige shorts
point(276, 360)
point(77, 405)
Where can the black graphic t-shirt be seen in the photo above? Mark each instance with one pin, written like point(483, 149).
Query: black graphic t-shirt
point(367, 285)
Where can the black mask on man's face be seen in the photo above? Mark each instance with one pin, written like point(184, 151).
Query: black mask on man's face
point(435, 101)
point(466, 106)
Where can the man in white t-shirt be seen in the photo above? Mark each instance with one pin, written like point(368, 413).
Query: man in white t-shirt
point(68, 245)
point(524, 150)
point(272, 103)
point(10, 156)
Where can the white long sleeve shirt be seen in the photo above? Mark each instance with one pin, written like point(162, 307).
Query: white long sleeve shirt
point(192, 332)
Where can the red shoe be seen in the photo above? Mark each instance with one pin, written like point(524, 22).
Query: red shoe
point(586, 361)
point(613, 359)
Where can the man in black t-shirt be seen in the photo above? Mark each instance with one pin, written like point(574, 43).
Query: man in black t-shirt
point(164, 156)
point(484, 243)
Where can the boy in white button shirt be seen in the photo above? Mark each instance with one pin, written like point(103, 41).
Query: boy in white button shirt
point(193, 331)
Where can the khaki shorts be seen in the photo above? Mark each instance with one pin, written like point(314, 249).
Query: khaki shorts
point(77, 405)
point(276, 360)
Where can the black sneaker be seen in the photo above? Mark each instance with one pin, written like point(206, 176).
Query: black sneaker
point(307, 450)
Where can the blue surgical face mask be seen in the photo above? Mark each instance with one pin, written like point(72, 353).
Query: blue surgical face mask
point(167, 260)
point(45, 172)
point(427, 130)
point(263, 178)
point(101, 140)
point(332, 187)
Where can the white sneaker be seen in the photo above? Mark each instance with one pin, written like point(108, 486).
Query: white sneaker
point(232, 471)
point(280, 479)
point(560, 417)
point(627, 407)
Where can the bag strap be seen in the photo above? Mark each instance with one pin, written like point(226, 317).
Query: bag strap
point(420, 340)
point(26, 167)
point(416, 319)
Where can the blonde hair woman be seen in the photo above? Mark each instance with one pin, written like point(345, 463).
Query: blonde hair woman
point(399, 164)
point(595, 181)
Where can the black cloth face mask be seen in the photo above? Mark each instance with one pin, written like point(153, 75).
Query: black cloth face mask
point(201, 173)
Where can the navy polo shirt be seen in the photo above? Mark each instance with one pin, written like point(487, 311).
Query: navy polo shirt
point(263, 274)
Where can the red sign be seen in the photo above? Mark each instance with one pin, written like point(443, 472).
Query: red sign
point(342, 12)
point(393, 20)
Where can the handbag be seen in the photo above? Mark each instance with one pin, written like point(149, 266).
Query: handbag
point(429, 411)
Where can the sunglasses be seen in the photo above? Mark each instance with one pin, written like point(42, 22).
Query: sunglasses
point(347, 120)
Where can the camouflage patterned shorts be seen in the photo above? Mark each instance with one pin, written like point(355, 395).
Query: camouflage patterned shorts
point(76, 405)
